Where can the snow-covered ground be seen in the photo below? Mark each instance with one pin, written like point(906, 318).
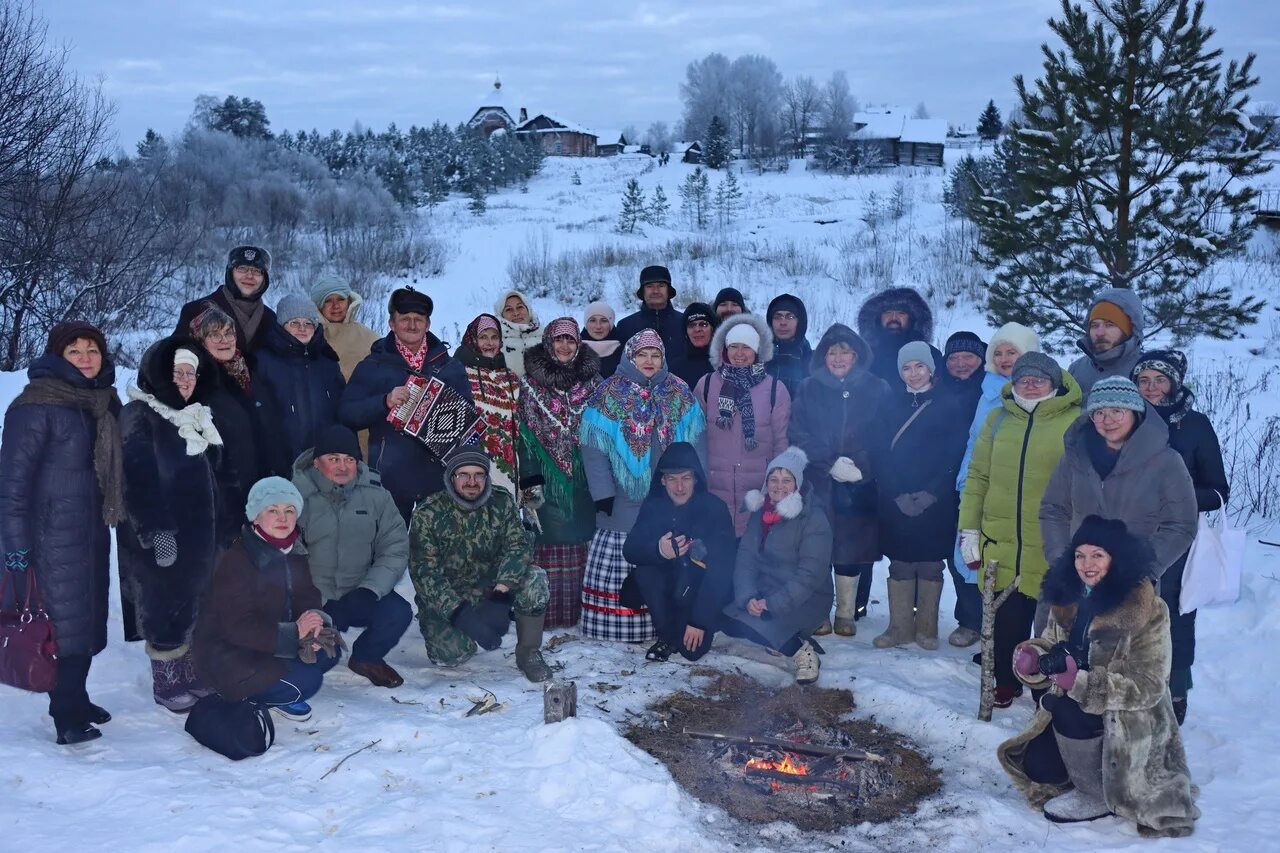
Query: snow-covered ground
point(438, 780)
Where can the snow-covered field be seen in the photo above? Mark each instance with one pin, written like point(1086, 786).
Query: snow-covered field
point(438, 780)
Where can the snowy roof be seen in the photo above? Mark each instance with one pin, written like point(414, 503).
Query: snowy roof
point(925, 130)
point(610, 136)
point(682, 147)
point(898, 126)
point(571, 126)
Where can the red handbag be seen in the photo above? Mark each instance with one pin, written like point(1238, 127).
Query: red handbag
point(28, 650)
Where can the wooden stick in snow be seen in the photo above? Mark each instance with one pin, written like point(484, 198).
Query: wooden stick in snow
point(792, 746)
point(990, 604)
point(344, 760)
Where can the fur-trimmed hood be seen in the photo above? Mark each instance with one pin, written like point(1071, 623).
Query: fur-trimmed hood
point(543, 368)
point(906, 299)
point(155, 377)
point(717, 351)
point(1132, 567)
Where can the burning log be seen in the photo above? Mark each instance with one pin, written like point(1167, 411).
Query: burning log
point(791, 746)
point(990, 604)
point(792, 778)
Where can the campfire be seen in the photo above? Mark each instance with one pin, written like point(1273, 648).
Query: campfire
point(788, 755)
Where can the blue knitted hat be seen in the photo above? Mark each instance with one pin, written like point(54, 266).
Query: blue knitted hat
point(1115, 392)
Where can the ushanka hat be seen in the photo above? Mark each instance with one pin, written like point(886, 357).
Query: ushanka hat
point(406, 300)
point(654, 274)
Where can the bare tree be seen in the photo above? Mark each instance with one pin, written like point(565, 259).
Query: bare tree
point(756, 87)
point(658, 137)
point(801, 99)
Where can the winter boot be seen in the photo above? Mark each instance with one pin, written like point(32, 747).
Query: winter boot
point(807, 663)
point(189, 678)
point(963, 637)
point(1083, 760)
point(864, 592)
point(168, 680)
point(824, 629)
point(928, 593)
point(529, 647)
point(846, 603)
point(902, 622)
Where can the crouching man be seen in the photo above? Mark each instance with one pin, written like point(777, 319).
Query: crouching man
point(359, 549)
point(682, 546)
point(471, 564)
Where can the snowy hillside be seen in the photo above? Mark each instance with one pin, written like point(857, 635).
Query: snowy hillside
point(438, 780)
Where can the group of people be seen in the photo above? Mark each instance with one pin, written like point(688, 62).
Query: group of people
point(654, 480)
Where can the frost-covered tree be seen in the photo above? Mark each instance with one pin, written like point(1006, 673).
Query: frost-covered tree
point(658, 137)
point(656, 213)
point(1133, 170)
point(695, 198)
point(707, 92)
point(728, 199)
point(477, 204)
point(801, 99)
point(633, 209)
point(989, 122)
point(715, 153)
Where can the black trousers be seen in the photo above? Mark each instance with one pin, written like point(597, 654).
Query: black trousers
point(1042, 762)
point(1013, 625)
point(968, 610)
point(670, 596)
point(69, 700)
point(1182, 628)
point(734, 628)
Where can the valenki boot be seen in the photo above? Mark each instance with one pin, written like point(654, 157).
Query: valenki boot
point(1084, 802)
point(902, 621)
point(529, 647)
point(169, 685)
point(846, 604)
point(928, 595)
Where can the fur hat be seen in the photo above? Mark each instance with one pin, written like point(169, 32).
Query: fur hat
point(1132, 563)
point(295, 306)
point(1037, 364)
point(270, 491)
point(917, 351)
point(406, 300)
point(965, 342)
point(248, 256)
point(337, 439)
point(1024, 340)
point(1114, 392)
point(63, 334)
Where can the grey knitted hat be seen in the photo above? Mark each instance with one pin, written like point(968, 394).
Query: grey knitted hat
point(1037, 364)
point(917, 351)
point(295, 306)
point(270, 491)
point(794, 460)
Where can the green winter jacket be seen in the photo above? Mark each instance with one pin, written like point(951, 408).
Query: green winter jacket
point(457, 553)
point(1014, 457)
point(354, 534)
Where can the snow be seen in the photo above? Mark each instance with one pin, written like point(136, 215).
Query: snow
point(503, 781)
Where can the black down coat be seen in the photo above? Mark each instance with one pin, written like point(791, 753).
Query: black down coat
point(791, 358)
point(192, 497)
point(250, 428)
point(831, 418)
point(409, 470)
point(303, 383)
point(50, 504)
point(925, 458)
point(668, 323)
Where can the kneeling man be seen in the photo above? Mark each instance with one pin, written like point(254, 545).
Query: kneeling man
point(471, 564)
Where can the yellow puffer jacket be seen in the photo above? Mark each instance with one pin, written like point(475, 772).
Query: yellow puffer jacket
point(1013, 459)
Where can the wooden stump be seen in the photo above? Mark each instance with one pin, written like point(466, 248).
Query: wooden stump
point(559, 701)
point(990, 604)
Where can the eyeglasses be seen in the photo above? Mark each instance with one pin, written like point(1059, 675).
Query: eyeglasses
point(220, 337)
point(185, 375)
point(1108, 415)
point(470, 478)
point(783, 315)
point(1032, 382)
point(699, 324)
point(300, 325)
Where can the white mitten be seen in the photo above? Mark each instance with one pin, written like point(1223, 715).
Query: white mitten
point(971, 547)
point(844, 471)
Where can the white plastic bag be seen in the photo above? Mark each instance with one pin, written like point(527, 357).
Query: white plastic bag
point(1214, 564)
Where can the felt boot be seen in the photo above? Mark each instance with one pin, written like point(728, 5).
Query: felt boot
point(529, 647)
point(902, 621)
point(1084, 802)
point(928, 593)
point(846, 604)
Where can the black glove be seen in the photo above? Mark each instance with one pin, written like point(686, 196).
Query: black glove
point(1054, 661)
point(698, 552)
point(605, 505)
point(486, 622)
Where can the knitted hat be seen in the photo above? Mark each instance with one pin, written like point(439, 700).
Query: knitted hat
point(466, 456)
point(406, 300)
point(327, 285)
point(295, 306)
point(917, 351)
point(729, 294)
point(560, 327)
point(743, 333)
point(1170, 362)
point(270, 491)
point(1110, 311)
point(793, 460)
point(1023, 339)
point(652, 275)
point(187, 357)
point(600, 309)
point(63, 334)
point(337, 439)
point(1040, 365)
point(1115, 392)
point(700, 311)
point(965, 342)
point(642, 339)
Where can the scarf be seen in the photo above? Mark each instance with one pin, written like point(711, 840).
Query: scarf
point(553, 397)
point(238, 369)
point(285, 544)
point(108, 458)
point(247, 312)
point(194, 421)
point(604, 348)
point(735, 395)
point(769, 516)
point(415, 360)
point(632, 419)
point(1173, 409)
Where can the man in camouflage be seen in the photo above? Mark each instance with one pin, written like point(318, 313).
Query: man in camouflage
point(471, 564)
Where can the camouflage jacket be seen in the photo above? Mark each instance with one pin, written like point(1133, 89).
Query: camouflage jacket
point(456, 554)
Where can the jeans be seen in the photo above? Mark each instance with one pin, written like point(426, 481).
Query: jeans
point(384, 621)
point(300, 682)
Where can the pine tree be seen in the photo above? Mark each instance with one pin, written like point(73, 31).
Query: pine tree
point(989, 124)
point(477, 205)
point(695, 197)
point(656, 213)
point(716, 152)
point(632, 207)
point(728, 199)
point(1132, 170)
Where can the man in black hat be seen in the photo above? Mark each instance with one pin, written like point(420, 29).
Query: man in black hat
point(729, 301)
point(378, 386)
point(656, 312)
point(966, 356)
point(699, 326)
point(247, 277)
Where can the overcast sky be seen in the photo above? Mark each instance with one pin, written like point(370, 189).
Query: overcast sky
point(327, 64)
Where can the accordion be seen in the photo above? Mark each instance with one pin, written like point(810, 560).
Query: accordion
point(437, 416)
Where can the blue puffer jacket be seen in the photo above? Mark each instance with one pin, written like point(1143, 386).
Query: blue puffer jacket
point(409, 471)
point(304, 381)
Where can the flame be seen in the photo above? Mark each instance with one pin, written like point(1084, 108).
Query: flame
point(789, 764)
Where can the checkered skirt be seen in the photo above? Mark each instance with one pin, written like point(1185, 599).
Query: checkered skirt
point(603, 616)
point(564, 565)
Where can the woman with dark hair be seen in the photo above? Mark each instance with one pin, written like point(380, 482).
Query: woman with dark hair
point(176, 484)
point(59, 492)
point(1160, 376)
point(1105, 730)
point(597, 333)
point(495, 390)
point(560, 375)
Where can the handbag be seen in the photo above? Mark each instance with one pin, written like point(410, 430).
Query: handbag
point(1214, 563)
point(28, 649)
point(237, 730)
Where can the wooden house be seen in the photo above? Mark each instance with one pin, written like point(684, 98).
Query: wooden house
point(610, 142)
point(895, 140)
point(560, 138)
point(688, 152)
